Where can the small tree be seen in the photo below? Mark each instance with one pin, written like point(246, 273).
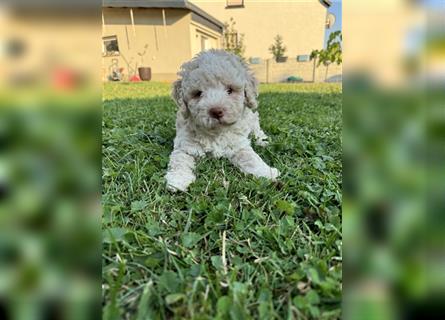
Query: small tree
point(332, 53)
point(233, 41)
point(278, 48)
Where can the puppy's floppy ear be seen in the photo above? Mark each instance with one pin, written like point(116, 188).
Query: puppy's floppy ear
point(178, 95)
point(251, 90)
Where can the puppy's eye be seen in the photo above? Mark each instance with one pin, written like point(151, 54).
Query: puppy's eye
point(197, 94)
point(229, 90)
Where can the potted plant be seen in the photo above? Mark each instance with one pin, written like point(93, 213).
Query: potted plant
point(144, 72)
point(278, 49)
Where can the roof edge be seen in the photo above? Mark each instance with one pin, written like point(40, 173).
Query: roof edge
point(167, 4)
point(203, 14)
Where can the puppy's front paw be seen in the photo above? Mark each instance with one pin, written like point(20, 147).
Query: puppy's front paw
point(274, 174)
point(173, 188)
point(178, 182)
point(175, 185)
point(269, 173)
point(261, 142)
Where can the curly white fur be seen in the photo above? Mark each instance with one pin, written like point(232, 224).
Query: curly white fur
point(216, 96)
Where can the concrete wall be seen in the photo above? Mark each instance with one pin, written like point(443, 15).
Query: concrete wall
point(300, 22)
point(270, 71)
point(151, 44)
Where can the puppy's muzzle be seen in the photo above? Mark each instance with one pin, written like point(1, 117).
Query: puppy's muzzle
point(216, 113)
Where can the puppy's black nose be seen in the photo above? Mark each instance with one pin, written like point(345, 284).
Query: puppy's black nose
point(216, 113)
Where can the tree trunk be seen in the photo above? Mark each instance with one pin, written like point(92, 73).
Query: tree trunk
point(313, 71)
point(327, 70)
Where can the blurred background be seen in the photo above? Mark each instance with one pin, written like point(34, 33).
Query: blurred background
point(50, 160)
point(394, 151)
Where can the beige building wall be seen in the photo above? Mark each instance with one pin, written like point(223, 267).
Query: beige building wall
point(150, 43)
point(47, 49)
point(396, 22)
point(300, 22)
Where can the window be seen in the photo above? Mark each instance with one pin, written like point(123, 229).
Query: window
point(110, 46)
point(255, 60)
point(234, 3)
point(303, 58)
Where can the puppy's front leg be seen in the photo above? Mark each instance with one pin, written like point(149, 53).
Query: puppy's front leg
point(180, 171)
point(258, 133)
point(249, 162)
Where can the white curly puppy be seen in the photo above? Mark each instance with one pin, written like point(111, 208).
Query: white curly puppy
point(216, 96)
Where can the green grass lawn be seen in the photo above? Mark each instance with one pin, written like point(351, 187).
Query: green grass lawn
point(233, 246)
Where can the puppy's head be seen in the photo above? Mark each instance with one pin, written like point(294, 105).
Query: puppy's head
point(214, 88)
